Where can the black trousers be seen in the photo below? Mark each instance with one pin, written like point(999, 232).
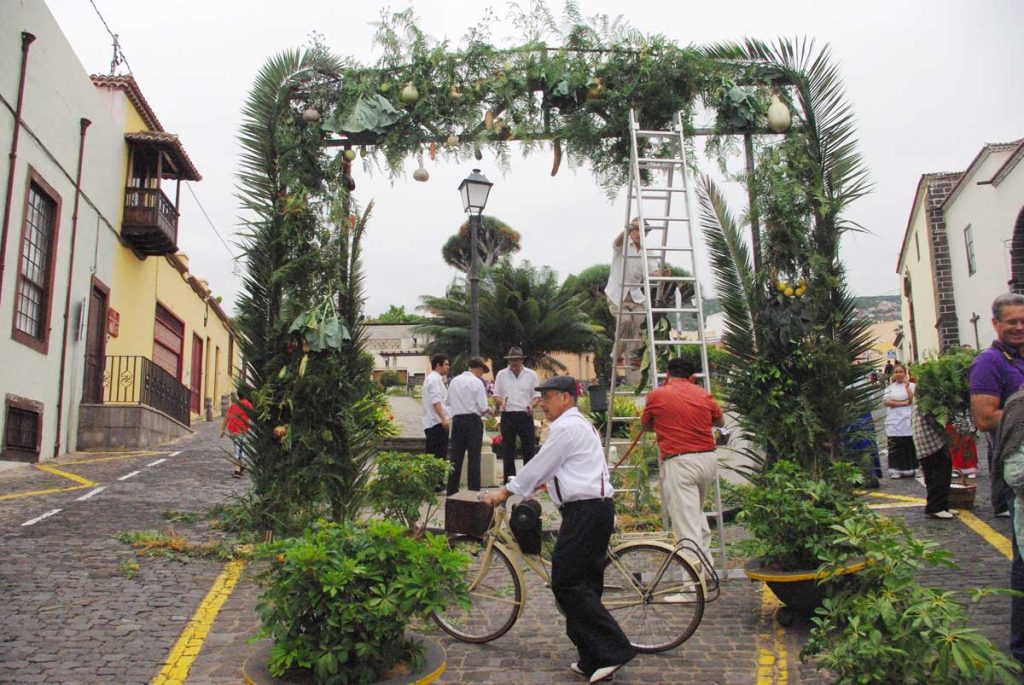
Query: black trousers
point(516, 424)
point(577, 580)
point(437, 444)
point(938, 474)
point(467, 439)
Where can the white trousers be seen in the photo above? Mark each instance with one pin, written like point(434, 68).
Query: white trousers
point(685, 481)
point(633, 315)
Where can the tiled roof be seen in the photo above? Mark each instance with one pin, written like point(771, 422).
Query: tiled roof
point(170, 142)
point(1009, 164)
point(131, 89)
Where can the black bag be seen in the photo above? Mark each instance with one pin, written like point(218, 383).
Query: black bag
point(525, 525)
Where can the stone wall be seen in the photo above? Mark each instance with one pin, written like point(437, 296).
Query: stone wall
point(105, 426)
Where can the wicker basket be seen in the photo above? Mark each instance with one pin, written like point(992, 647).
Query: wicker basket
point(961, 493)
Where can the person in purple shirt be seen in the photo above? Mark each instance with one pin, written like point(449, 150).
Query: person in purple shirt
point(997, 373)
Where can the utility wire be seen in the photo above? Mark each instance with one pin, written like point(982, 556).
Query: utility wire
point(210, 221)
point(118, 52)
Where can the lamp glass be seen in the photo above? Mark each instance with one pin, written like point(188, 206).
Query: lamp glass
point(474, 190)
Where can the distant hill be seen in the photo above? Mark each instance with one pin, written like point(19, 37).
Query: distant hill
point(874, 307)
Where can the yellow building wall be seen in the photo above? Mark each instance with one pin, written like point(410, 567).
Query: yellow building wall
point(139, 284)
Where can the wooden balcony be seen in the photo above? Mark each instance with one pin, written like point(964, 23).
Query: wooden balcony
point(150, 223)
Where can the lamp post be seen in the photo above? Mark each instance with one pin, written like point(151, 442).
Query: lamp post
point(474, 190)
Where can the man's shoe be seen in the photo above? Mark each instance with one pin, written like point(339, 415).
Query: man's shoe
point(939, 514)
point(575, 668)
point(1003, 514)
point(895, 475)
point(604, 673)
point(954, 512)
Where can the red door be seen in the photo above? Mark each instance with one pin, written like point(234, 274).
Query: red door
point(197, 373)
point(95, 345)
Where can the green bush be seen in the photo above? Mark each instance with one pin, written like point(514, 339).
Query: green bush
point(790, 513)
point(403, 483)
point(338, 599)
point(390, 379)
point(943, 387)
point(882, 626)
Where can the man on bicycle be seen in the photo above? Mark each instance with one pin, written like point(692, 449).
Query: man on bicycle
point(571, 464)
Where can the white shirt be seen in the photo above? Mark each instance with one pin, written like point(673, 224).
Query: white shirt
point(466, 394)
point(572, 458)
point(634, 274)
point(897, 419)
point(517, 392)
point(433, 391)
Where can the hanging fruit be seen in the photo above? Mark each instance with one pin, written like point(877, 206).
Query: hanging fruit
point(310, 115)
point(595, 88)
point(350, 154)
point(362, 151)
point(778, 115)
point(454, 93)
point(477, 153)
point(433, 151)
point(558, 156)
point(453, 139)
point(409, 95)
point(421, 174)
point(489, 120)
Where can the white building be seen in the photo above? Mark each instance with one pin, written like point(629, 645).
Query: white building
point(963, 246)
point(985, 224)
point(61, 202)
point(396, 347)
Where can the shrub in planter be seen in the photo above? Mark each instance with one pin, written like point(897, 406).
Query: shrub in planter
point(791, 513)
point(338, 599)
point(403, 483)
point(883, 626)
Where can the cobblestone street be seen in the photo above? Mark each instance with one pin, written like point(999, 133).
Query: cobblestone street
point(73, 615)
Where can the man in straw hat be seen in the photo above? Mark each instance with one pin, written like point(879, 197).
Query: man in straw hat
point(515, 397)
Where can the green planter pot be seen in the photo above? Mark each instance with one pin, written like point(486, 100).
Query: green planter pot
point(255, 671)
point(799, 591)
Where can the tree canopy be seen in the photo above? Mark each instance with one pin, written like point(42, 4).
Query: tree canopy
point(495, 240)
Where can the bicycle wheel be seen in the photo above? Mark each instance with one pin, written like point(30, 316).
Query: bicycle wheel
point(655, 595)
point(495, 594)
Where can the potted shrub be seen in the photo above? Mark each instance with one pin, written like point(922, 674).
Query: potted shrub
point(884, 626)
point(791, 515)
point(944, 395)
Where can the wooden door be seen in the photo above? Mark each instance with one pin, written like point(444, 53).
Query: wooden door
point(95, 345)
point(197, 373)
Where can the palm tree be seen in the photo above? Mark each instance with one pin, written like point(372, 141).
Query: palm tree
point(495, 239)
point(794, 374)
point(519, 306)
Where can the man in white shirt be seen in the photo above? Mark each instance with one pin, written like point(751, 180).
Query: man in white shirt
point(467, 400)
point(436, 421)
point(515, 397)
point(628, 268)
point(571, 463)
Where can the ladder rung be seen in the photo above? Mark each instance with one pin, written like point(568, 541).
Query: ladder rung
point(667, 249)
point(658, 279)
point(657, 134)
point(666, 343)
point(661, 189)
point(625, 418)
point(664, 218)
point(660, 161)
point(674, 310)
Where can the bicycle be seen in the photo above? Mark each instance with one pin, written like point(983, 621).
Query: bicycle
point(655, 593)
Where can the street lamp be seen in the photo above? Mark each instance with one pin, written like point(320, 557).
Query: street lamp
point(474, 190)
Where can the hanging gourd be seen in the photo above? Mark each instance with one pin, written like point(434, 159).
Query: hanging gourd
point(778, 115)
point(310, 115)
point(409, 95)
point(421, 174)
point(453, 139)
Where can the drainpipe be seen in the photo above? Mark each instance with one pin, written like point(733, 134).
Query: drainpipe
point(26, 40)
point(84, 123)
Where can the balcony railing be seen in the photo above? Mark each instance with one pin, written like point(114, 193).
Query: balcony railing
point(137, 380)
point(150, 221)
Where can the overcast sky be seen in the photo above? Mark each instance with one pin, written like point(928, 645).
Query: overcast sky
point(930, 82)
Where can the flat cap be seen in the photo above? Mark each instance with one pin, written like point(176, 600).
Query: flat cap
point(560, 383)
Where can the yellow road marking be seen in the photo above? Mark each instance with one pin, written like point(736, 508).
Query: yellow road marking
point(125, 455)
point(897, 498)
point(82, 483)
point(990, 534)
point(190, 642)
point(772, 666)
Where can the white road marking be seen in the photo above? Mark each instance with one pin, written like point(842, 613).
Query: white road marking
point(37, 519)
point(174, 454)
point(89, 494)
point(129, 475)
point(158, 461)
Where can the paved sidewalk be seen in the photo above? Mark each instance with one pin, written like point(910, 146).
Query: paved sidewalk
point(72, 616)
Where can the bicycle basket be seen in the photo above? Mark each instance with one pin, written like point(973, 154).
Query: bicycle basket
point(466, 516)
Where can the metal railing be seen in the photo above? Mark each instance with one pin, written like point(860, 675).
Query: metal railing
point(137, 380)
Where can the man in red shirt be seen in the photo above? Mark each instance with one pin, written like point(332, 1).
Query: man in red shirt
point(682, 414)
point(237, 423)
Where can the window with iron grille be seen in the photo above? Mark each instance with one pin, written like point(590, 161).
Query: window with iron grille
point(35, 275)
point(21, 433)
point(972, 266)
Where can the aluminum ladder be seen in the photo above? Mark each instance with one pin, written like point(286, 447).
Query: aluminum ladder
point(661, 195)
